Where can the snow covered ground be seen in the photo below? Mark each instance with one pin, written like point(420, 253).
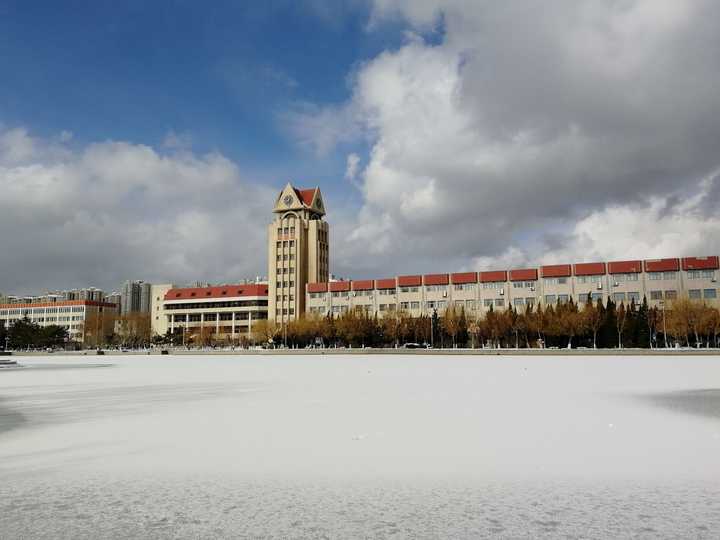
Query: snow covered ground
point(360, 446)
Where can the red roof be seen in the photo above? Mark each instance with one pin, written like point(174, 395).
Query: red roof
point(524, 274)
point(589, 269)
point(700, 263)
point(625, 267)
point(662, 265)
point(494, 275)
point(363, 285)
point(306, 195)
point(436, 279)
point(317, 287)
point(61, 303)
point(339, 286)
point(389, 283)
point(226, 291)
point(409, 281)
point(464, 277)
point(556, 270)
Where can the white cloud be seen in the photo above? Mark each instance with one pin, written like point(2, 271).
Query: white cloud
point(524, 121)
point(115, 210)
point(352, 166)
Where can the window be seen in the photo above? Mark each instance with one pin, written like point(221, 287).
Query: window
point(493, 284)
point(694, 294)
point(465, 287)
point(470, 305)
point(487, 302)
point(518, 284)
point(436, 288)
point(441, 304)
point(656, 295)
point(708, 274)
point(386, 292)
point(518, 302)
point(383, 307)
point(459, 304)
point(415, 305)
point(499, 302)
point(634, 296)
point(555, 281)
point(654, 275)
point(408, 289)
point(563, 298)
point(404, 305)
point(530, 301)
point(596, 296)
point(618, 297)
point(671, 295)
point(710, 293)
point(669, 275)
point(550, 299)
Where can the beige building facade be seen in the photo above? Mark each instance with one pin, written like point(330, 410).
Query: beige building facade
point(298, 251)
point(660, 281)
point(81, 318)
point(227, 312)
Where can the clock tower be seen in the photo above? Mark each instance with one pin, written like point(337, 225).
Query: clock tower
point(298, 251)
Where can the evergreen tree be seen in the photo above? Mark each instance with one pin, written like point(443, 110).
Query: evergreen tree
point(607, 337)
point(642, 327)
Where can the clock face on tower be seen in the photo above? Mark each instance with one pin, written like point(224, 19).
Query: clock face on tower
point(288, 200)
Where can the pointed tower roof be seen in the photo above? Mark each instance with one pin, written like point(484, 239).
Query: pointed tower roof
point(292, 198)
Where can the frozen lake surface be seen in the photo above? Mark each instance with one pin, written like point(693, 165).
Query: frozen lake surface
point(360, 446)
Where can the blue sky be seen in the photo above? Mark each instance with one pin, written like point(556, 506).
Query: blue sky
point(147, 140)
point(219, 73)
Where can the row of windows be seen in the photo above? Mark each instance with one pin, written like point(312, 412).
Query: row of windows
point(285, 284)
point(212, 317)
point(286, 231)
point(41, 311)
point(285, 244)
point(655, 276)
point(215, 305)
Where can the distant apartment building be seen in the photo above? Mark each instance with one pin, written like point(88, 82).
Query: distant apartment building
point(298, 251)
point(660, 281)
point(228, 312)
point(135, 297)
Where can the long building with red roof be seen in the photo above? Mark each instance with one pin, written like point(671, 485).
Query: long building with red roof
point(659, 280)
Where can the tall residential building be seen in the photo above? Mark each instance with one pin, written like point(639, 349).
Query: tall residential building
point(298, 251)
point(135, 297)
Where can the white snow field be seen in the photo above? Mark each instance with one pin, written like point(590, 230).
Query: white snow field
point(360, 446)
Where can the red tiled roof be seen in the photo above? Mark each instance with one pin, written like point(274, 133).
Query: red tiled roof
point(363, 285)
point(226, 291)
point(493, 275)
point(523, 274)
point(62, 303)
point(662, 265)
point(339, 286)
point(556, 270)
point(464, 277)
point(700, 263)
point(409, 281)
point(589, 269)
point(436, 279)
point(388, 283)
point(317, 287)
point(625, 267)
point(306, 195)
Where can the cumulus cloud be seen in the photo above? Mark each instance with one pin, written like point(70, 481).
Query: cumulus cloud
point(114, 210)
point(529, 123)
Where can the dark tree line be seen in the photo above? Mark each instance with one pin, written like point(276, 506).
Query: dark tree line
point(25, 334)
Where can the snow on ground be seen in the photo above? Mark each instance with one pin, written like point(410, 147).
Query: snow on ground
point(155, 444)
